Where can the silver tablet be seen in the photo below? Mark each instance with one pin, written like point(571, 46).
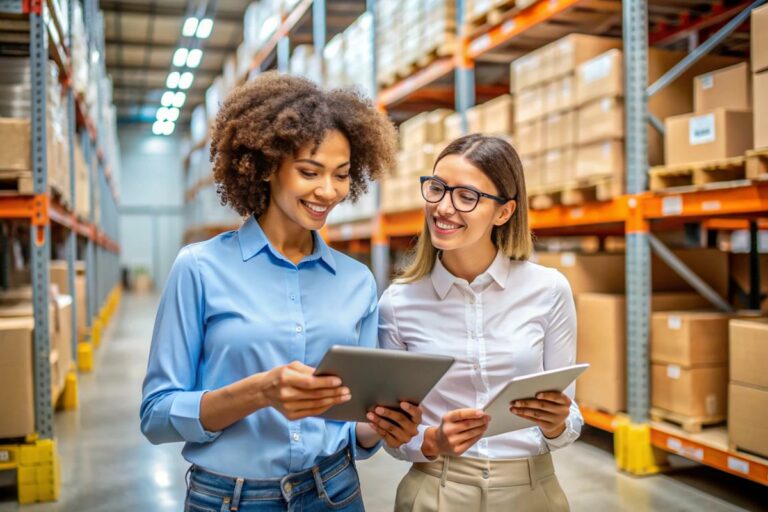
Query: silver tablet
point(527, 386)
point(380, 377)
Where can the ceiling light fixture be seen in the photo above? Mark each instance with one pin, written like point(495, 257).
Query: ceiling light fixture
point(194, 58)
point(168, 127)
point(180, 57)
point(172, 114)
point(185, 81)
point(168, 99)
point(162, 113)
point(190, 27)
point(204, 28)
point(178, 99)
point(157, 127)
point(173, 80)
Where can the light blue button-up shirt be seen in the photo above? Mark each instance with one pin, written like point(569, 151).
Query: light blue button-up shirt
point(233, 306)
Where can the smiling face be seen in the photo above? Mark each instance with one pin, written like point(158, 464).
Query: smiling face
point(451, 229)
point(307, 187)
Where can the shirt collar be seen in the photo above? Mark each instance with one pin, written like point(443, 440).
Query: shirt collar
point(253, 240)
point(443, 280)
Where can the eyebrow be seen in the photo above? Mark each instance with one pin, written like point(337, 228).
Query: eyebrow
point(469, 187)
point(318, 164)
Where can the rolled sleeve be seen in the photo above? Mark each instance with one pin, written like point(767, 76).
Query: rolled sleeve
point(185, 417)
point(411, 451)
point(573, 424)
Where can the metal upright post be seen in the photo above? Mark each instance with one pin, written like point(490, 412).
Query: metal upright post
point(40, 233)
point(72, 235)
point(319, 30)
point(465, 72)
point(380, 256)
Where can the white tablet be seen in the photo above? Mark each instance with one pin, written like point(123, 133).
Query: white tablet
point(527, 386)
point(380, 377)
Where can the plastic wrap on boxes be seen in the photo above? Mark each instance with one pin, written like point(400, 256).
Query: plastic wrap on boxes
point(213, 98)
point(198, 124)
point(335, 71)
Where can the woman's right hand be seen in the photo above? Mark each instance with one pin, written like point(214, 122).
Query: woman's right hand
point(297, 393)
point(458, 431)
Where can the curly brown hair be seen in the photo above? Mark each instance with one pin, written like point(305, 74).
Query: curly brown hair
point(271, 117)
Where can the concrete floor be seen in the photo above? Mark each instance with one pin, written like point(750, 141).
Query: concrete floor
point(107, 465)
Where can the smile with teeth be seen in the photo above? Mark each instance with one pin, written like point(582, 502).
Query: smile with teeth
point(315, 208)
point(446, 225)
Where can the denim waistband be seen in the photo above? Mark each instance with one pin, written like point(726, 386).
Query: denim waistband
point(287, 487)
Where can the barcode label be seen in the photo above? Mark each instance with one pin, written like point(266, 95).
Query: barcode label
point(701, 130)
point(739, 465)
point(674, 322)
point(672, 205)
point(480, 44)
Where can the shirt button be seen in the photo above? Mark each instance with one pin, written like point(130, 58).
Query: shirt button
point(293, 297)
point(296, 436)
point(288, 487)
point(486, 474)
point(299, 328)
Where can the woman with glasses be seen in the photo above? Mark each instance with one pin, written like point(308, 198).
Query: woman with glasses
point(471, 293)
point(247, 315)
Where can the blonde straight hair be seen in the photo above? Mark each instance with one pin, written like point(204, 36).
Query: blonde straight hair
point(498, 160)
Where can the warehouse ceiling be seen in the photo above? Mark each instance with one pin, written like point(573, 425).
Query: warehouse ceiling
point(142, 35)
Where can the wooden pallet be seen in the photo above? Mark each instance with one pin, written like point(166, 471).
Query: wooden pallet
point(14, 183)
point(757, 164)
point(697, 173)
point(690, 424)
point(436, 52)
point(576, 193)
point(491, 17)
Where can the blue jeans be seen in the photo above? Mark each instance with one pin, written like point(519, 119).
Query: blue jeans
point(332, 484)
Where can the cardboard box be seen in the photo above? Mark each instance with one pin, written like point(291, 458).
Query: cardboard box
point(529, 104)
point(558, 166)
point(729, 88)
point(759, 38)
point(760, 127)
point(17, 409)
point(748, 418)
point(601, 334)
point(474, 120)
point(559, 95)
point(602, 119)
point(574, 49)
point(63, 340)
point(533, 172)
point(498, 116)
point(452, 127)
point(690, 338)
point(605, 273)
point(749, 351)
point(559, 130)
point(600, 159)
point(529, 138)
point(81, 305)
point(713, 135)
point(695, 392)
point(526, 71)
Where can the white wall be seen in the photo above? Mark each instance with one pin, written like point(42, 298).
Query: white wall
point(151, 200)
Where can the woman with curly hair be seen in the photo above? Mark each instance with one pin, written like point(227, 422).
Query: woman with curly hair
point(246, 315)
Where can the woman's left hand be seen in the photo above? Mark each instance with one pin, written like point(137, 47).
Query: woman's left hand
point(396, 427)
point(548, 410)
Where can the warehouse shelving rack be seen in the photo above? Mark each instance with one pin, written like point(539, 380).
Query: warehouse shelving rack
point(35, 459)
point(634, 214)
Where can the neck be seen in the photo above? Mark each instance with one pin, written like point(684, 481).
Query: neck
point(469, 262)
point(288, 238)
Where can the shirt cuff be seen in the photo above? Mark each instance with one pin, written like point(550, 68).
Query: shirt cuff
point(359, 452)
point(568, 436)
point(411, 451)
point(185, 417)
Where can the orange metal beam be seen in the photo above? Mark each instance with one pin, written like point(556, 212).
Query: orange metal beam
point(598, 419)
point(749, 199)
point(407, 223)
point(361, 230)
point(421, 78)
point(527, 18)
point(615, 211)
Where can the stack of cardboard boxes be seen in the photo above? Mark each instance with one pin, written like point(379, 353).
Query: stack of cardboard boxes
point(543, 83)
point(748, 389)
point(759, 53)
point(689, 375)
point(598, 283)
point(721, 123)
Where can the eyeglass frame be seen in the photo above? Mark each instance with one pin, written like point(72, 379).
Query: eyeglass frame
point(449, 190)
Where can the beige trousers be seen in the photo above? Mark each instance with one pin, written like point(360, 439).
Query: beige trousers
point(464, 484)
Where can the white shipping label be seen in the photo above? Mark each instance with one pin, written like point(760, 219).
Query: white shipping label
point(672, 205)
point(701, 130)
point(707, 81)
point(674, 322)
point(739, 465)
point(606, 104)
point(710, 404)
point(5, 455)
point(673, 371)
point(568, 259)
point(596, 69)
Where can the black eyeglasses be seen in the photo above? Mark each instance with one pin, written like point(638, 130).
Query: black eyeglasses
point(464, 199)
